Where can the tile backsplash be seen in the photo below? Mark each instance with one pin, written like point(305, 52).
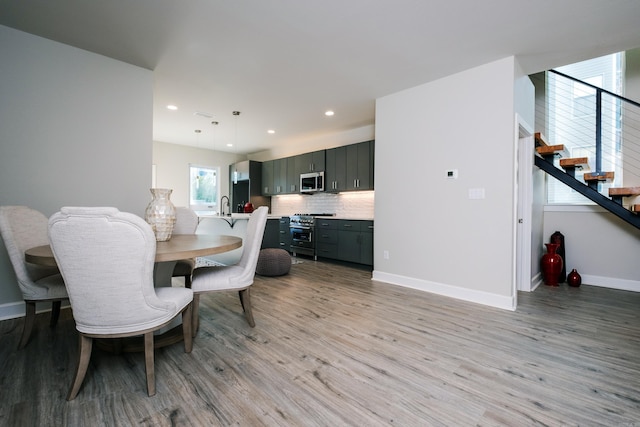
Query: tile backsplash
point(357, 205)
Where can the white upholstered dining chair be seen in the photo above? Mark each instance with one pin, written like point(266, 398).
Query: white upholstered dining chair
point(23, 228)
point(238, 277)
point(186, 223)
point(106, 258)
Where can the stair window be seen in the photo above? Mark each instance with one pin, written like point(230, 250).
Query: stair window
point(570, 117)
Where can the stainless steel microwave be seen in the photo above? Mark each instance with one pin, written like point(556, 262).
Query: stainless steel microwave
point(311, 182)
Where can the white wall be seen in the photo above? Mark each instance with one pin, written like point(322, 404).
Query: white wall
point(603, 248)
point(75, 129)
point(172, 168)
point(438, 239)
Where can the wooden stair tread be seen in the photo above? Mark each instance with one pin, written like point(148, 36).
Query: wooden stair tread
point(547, 150)
point(635, 209)
point(602, 176)
point(624, 191)
point(540, 139)
point(575, 162)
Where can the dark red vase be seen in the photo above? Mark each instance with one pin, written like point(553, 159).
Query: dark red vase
point(551, 264)
point(574, 279)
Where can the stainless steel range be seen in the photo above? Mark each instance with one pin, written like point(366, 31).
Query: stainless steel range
point(302, 227)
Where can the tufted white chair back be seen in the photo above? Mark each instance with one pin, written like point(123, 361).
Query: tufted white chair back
point(23, 228)
point(186, 221)
point(106, 258)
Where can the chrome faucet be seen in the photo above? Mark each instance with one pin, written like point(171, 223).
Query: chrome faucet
point(223, 205)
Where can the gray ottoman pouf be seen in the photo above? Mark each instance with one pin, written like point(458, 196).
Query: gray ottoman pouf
point(273, 262)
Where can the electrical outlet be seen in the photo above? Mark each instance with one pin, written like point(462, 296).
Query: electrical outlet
point(385, 254)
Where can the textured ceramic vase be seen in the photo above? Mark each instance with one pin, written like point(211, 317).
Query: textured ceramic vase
point(574, 279)
point(551, 264)
point(161, 213)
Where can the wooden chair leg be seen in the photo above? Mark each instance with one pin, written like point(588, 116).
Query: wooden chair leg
point(194, 314)
point(84, 344)
point(55, 313)
point(29, 319)
point(149, 364)
point(245, 301)
point(187, 325)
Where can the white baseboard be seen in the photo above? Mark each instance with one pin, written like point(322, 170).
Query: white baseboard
point(13, 310)
point(536, 281)
point(479, 297)
point(493, 300)
point(612, 283)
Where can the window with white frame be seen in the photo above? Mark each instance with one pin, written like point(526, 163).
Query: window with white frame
point(204, 186)
point(572, 116)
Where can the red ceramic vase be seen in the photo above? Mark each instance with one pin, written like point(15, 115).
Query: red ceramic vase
point(574, 279)
point(551, 264)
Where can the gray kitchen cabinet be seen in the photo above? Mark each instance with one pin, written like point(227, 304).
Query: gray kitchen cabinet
point(284, 235)
point(335, 175)
point(326, 234)
point(360, 166)
point(345, 240)
point(349, 240)
point(280, 176)
point(267, 178)
point(274, 177)
point(271, 237)
point(350, 168)
point(293, 177)
point(310, 162)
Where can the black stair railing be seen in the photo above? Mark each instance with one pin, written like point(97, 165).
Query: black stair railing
point(622, 136)
point(601, 124)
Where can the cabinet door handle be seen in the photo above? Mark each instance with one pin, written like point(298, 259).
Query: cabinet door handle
point(348, 225)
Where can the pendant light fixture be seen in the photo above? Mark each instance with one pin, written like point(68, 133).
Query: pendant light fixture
point(236, 114)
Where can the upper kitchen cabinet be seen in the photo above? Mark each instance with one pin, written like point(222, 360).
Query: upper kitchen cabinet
point(360, 166)
point(267, 178)
point(293, 177)
point(335, 175)
point(275, 177)
point(350, 168)
point(310, 162)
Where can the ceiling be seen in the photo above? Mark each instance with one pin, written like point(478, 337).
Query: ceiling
point(283, 63)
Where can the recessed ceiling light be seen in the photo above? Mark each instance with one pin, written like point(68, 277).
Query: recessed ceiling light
point(172, 107)
point(328, 113)
point(229, 145)
point(271, 131)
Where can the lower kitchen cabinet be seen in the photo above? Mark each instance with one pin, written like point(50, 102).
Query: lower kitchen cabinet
point(326, 232)
point(271, 236)
point(345, 240)
point(284, 235)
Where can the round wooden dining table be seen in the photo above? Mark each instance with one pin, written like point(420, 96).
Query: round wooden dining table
point(180, 246)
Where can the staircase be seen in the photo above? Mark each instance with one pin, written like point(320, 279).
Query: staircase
point(545, 159)
point(603, 129)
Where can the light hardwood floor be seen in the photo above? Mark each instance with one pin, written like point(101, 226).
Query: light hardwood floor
point(333, 348)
